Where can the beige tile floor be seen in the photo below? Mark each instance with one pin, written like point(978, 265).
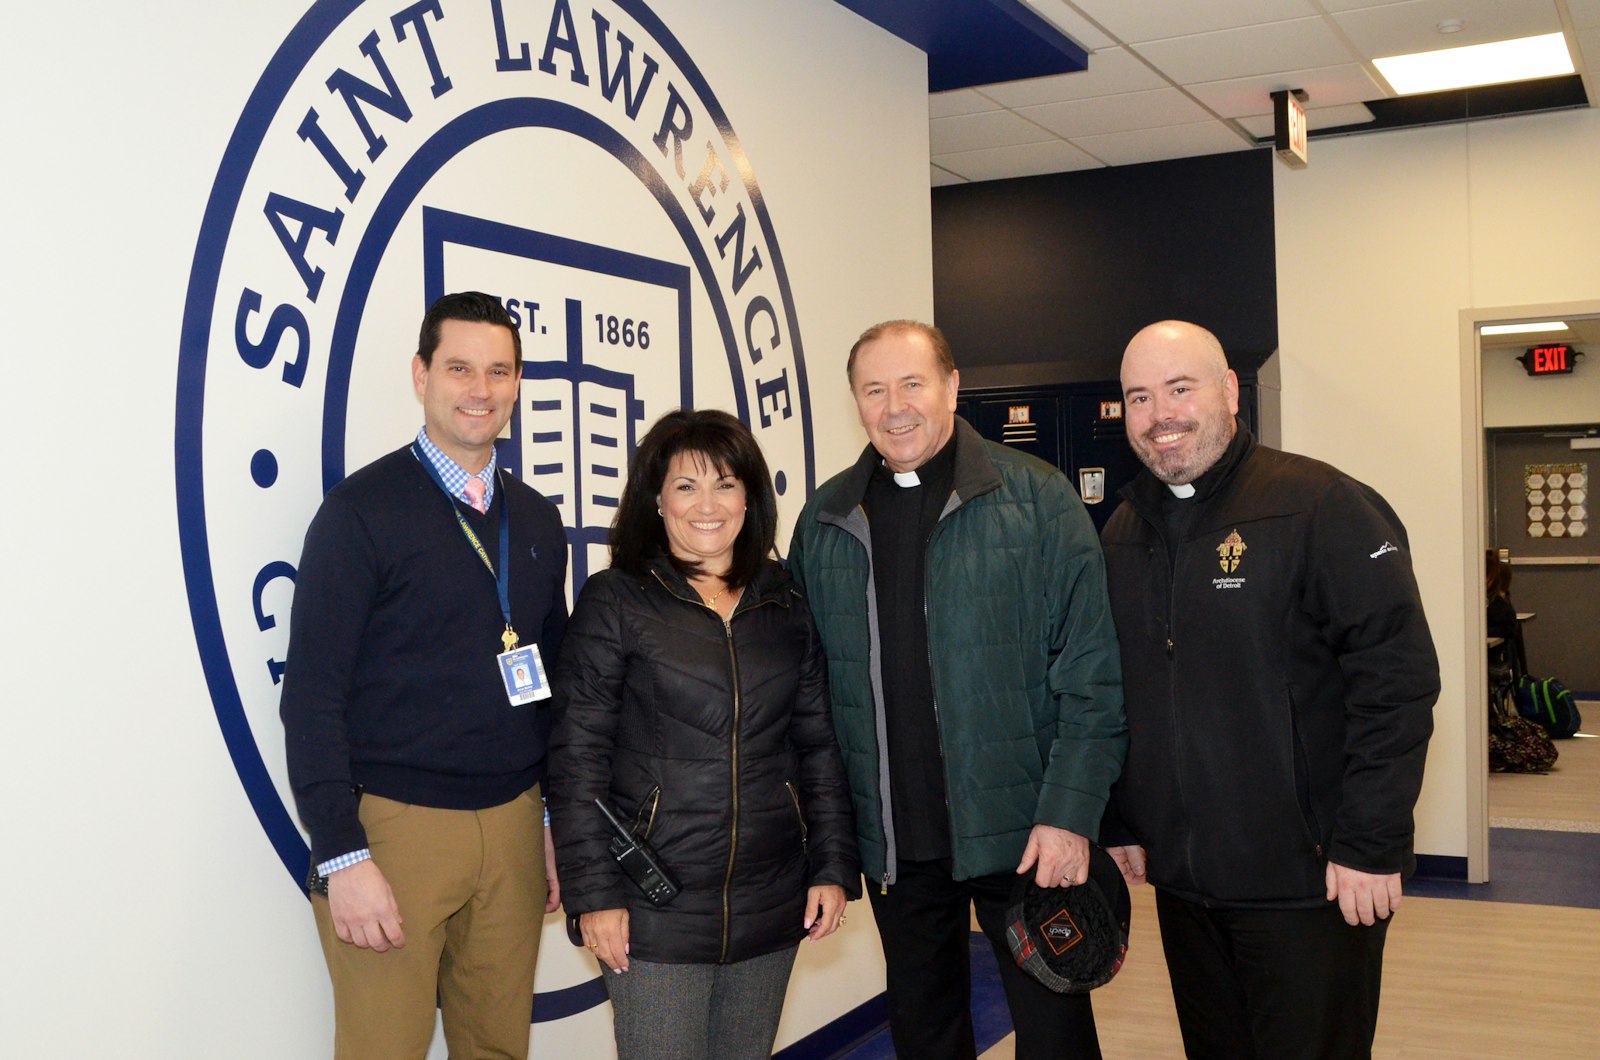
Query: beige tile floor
point(1462, 979)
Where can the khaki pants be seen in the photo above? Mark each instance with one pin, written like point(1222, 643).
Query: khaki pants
point(471, 889)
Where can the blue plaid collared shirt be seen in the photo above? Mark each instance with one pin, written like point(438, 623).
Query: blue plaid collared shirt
point(454, 475)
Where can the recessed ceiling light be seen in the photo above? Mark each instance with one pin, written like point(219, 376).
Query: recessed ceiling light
point(1477, 64)
point(1523, 329)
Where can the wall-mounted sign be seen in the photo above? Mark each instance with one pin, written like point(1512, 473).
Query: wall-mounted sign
point(1556, 359)
point(1289, 127)
point(1558, 499)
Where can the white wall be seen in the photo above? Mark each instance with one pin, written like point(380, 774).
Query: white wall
point(1513, 398)
point(148, 915)
point(1382, 242)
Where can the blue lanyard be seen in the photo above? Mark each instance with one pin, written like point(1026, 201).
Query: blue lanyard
point(502, 575)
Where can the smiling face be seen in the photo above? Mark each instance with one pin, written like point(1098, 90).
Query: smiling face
point(1181, 399)
point(906, 402)
point(703, 509)
point(469, 390)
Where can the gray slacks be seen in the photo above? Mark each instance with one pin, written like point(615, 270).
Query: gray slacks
point(699, 1011)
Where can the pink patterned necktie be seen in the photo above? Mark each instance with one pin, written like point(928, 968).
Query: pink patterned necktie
point(474, 491)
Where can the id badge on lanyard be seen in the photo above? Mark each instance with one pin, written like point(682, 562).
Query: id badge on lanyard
point(521, 668)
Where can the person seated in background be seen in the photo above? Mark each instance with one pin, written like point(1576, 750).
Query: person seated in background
point(1502, 615)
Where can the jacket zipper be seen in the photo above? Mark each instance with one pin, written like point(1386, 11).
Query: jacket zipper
point(642, 826)
point(884, 800)
point(733, 839)
point(1172, 699)
point(805, 833)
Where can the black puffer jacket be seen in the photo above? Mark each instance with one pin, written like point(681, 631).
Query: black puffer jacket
point(718, 741)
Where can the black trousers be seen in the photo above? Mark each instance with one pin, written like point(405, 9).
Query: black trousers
point(924, 922)
point(1272, 984)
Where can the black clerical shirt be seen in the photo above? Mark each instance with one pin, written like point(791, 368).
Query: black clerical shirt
point(901, 519)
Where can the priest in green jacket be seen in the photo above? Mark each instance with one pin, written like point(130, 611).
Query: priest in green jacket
point(960, 593)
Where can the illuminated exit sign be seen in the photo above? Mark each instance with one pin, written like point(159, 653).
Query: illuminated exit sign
point(1549, 360)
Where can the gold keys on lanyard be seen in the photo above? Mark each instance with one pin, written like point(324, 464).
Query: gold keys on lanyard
point(509, 637)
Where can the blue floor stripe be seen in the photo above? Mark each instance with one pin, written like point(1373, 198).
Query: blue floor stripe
point(1532, 868)
point(991, 1019)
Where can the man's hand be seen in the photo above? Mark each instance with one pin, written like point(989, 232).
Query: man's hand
point(1060, 857)
point(605, 931)
point(1131, 861)
point(363, 908)
point(1364, 897)
point(552, 900)
point(824, 910)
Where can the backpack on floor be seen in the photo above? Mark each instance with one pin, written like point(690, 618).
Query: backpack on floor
point(1551, 704)
point(1516, 745)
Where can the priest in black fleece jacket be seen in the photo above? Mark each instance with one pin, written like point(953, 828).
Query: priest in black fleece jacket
point(415, 773)
point(1279, 680)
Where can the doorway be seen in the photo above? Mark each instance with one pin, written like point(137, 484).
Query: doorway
point(1522, 432)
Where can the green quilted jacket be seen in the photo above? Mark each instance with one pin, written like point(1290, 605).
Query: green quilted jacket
point(1027, 689)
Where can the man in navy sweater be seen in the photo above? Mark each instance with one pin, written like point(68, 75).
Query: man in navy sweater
point(415, 757)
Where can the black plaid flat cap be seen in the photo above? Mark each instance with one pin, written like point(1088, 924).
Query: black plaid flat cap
point(1071, 939)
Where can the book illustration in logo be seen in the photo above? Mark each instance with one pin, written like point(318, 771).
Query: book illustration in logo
point(606, 347)
point(578, 426)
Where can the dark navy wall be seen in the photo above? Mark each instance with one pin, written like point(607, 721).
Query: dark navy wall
point(1066, 267)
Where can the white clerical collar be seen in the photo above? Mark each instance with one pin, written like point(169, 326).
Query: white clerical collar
point(1185, 490)
point(906, 479)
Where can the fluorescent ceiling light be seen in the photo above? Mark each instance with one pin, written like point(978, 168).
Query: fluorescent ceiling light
point(1477, 64)
point(1523, 329)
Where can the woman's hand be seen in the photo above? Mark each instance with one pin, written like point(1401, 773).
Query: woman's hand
point(824, 910)
point(605, 931)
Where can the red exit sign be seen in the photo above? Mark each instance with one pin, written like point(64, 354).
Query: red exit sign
point(1549, 360)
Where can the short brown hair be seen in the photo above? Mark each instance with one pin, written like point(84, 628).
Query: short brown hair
point(471, 307)
point(935, 337)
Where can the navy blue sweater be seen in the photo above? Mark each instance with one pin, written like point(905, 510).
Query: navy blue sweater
point(391, 685)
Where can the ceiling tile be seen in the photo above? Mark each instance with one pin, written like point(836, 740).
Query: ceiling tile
point(1134, 22)
point(1026, 160)
point(1303, 43)
point(1400, 29)
point(972, 132)
point(1589, 45)
point(1260, 125)
point(1585, 13)
point(1072, 23)
point(1151, 145)
point(958, 101)
point(1354, 5)
point(938, 178)
point(1131, 110)
point(1326, 87)
point(1110, 72)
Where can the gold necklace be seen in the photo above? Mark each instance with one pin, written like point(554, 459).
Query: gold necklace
point(711, 601)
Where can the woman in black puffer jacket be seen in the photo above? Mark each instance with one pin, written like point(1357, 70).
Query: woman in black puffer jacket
point(691, 696)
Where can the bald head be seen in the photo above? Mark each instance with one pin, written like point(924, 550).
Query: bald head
point(1181, 399)
point(1166, 336)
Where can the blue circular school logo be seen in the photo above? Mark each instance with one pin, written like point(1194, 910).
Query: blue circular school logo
point(568, 158)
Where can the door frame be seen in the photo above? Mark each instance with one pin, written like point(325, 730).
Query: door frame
point(1475, 523)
